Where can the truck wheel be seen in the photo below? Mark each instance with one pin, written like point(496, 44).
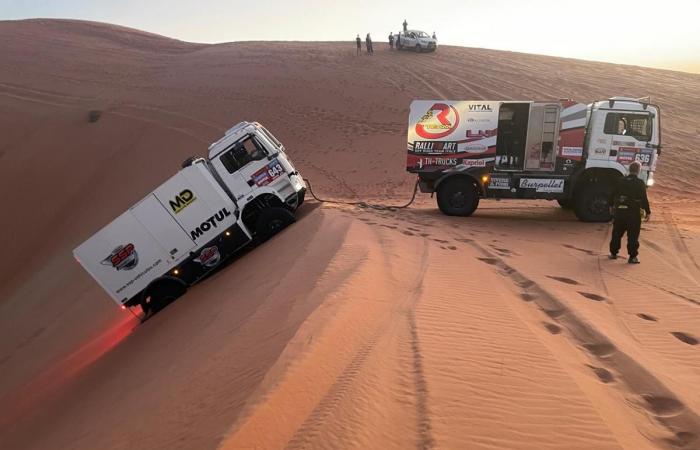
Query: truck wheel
point(592, 203)
point(565, 203)
point(161, 295)
point(458, 197)
point(271, 221)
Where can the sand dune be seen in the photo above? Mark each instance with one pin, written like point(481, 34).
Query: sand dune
point(356, 327)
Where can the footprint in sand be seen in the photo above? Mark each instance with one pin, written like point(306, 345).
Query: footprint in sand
point(603, 374)
point(563, 280)
point(591, 296)
point(408, 233)
point(647, 317)
point(685, 337)
point(527, 297)
point(552, 328)
point(663, 406)
point(491, 261)
point(442, 241)
point(602, 350)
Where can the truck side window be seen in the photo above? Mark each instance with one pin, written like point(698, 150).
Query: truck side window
point(241, 153)
point(629, 124)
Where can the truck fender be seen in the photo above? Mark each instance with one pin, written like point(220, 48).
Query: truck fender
point(611, 165)
point(470, 176)
point(259, 192)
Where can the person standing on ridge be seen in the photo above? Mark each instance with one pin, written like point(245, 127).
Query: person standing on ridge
point(434, 37)
point(405, 26)
point(629, 200)
point(359, 44)
point(391, 40)
point(368, 43)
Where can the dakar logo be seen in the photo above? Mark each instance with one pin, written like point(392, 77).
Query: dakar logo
point(182, 200)
point(436, 126)
point(123, 257)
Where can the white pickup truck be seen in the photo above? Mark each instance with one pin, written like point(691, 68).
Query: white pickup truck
point(247, 189)
point(416, 40)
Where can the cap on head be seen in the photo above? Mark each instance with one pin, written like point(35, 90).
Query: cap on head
point(635, 167)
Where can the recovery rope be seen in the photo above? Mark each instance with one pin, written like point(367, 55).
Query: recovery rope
point(364, 204)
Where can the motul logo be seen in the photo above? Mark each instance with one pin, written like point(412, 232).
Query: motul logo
point(212, 222)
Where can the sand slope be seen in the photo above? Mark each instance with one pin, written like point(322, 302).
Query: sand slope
point(356, 328)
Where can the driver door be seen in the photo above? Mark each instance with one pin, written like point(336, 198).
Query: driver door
point(242, 161)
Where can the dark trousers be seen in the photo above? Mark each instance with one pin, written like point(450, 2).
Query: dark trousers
point(629, 222)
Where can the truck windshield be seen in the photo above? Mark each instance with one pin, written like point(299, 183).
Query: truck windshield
point(636, 125)
point(422, 34)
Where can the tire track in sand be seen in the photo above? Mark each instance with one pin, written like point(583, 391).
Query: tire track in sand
point(342, 386)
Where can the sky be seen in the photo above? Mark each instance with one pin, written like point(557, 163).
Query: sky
point(654, 33)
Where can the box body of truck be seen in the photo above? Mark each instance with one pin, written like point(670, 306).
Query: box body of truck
point(181, 230)
point(557, 150)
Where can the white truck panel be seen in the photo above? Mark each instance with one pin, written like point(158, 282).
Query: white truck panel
point(123, 257)
point(152, 237)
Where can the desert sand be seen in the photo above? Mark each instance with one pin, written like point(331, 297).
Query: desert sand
point(356, 328)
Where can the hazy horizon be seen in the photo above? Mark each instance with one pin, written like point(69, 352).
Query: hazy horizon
point(642, 35)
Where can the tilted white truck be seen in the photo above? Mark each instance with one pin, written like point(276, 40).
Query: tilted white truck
point(415, 40)
point(556, 150)
point(247, 188)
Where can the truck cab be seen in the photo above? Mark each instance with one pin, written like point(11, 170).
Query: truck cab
point(622, 130)
point(252, 164)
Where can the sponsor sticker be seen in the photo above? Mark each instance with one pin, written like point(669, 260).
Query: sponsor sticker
point(479, 107)
point(571, 151)
point(623, 143)
point(543, 184)
point(474, 162)
point(600, 151)
point(268, 174)
point(182, 200)
point(209, 256)
point(209, 224)
point(435, 147)
point(123, 257)
point(439, 121)
point(625, 156)
point(644, 157)
point(499, 183)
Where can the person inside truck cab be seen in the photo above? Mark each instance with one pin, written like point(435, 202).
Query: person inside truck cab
point(622, 127)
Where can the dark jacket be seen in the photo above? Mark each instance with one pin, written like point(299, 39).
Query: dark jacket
point(630, 194)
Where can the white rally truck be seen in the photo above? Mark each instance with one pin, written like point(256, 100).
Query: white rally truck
point(556, 150)
point(416, 40)
point(247, 189)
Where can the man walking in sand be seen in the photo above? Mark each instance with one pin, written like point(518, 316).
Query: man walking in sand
point(368, 43)
point(359, 44)
point(629, 200)
point(391, 40)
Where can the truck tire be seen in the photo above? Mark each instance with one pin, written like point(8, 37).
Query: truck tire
point(592, 203)
point(458, 196)
point(271, 221)
point(565, 203)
